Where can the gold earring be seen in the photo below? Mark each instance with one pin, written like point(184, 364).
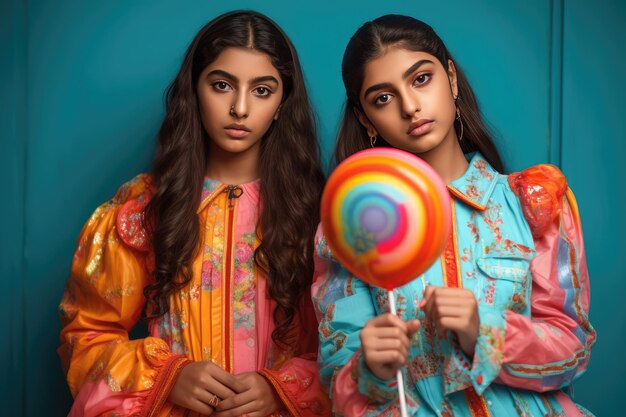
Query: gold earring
point(458, 117)
point(373, 140)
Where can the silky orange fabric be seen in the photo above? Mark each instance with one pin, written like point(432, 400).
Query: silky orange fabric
point(223, 315)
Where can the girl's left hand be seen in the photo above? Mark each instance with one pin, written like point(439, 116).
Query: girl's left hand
point(257, 399)
point(454, 309)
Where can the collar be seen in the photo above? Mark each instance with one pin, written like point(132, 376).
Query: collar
point(475, 186)
point(211, 188)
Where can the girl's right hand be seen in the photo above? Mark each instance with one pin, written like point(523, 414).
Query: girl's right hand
point(198, 385)
point(385, 340)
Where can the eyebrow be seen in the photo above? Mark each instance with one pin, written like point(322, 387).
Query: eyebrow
point(233, 78)
point(415, 67)
point(407, 73)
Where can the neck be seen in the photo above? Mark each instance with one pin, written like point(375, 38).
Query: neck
point(447, 159)
point(233, 167)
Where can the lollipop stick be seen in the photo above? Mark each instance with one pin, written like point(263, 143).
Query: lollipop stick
point(400, 379)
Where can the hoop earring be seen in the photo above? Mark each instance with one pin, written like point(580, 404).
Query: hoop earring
point(460, 119)
point(373, 140)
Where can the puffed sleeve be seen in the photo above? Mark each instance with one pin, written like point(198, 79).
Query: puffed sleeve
point(343, 304)
point(107, 373)
point(551, 348)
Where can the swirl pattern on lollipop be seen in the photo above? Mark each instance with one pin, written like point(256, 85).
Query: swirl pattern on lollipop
point(386, 216)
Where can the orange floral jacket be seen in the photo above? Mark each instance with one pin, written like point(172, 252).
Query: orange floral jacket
point(223, 315)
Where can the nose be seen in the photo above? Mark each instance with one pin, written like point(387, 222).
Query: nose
point(239, 108)
point(410, 104)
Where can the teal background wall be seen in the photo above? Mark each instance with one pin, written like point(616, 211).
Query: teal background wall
point(81, 101)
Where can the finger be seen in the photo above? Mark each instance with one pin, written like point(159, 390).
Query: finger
point(387, 357)
point(200, 407)
point(444, 292)
point(428, 293)
point(456, 324)
point(238, 411)
point(441, 299)
point(382, 345)
point(228, 380)
point(214, 387)
point(386, 333)
point(430, 309)
point(429, 297)
point(236, 401)
point(413, 326)
point(388, 320)
point(452, 311)
point(460, 297)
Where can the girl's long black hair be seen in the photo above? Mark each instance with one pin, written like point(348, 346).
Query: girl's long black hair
point(291, 177)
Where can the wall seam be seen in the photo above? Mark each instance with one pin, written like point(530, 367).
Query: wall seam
point(555, 100)
point(25, 149)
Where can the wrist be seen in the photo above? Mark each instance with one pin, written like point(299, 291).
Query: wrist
point(467, 344)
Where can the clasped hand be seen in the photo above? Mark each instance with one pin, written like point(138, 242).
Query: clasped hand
point(385, 339)
point(248, 393)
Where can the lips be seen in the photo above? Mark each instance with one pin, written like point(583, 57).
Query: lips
point(420, 127)
point(236, 130)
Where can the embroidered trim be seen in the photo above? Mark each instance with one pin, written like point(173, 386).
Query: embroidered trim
point(277, 387)
point(163, 385)
point(458, 194)
point(453, 279)
point(129, 224)
point(228, 280)
point(543, 370)
point(477, 405)
point(449, 259)
point(209, 197)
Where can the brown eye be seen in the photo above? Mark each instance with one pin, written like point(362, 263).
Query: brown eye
point(383, 99)
point(262, 91)
point(422, 79)
point(221, 86)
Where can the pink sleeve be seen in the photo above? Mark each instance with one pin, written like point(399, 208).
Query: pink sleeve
point(297, 381)
point(551, 348)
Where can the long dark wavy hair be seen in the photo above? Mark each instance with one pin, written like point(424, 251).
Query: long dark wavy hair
point(289, 167)
point(368, 43)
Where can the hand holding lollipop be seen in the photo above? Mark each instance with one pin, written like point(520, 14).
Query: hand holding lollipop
point(386, 217)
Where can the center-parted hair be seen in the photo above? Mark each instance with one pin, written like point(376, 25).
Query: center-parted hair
point(370, 42)
point(289, 167)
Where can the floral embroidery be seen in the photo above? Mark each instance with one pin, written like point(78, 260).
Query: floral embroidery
point(471, 224)
point(492, 217)
point(423, 366)
point(495, 250)
point(211, 275)
point(244, 283)
point(483, 168)
point(170, 328)
point(118, 292)
point(94, 267)
point(490, 291)
point(456, 372)
point(521, 406)
point(208, 187)
point(206, 353)
point(494, 340)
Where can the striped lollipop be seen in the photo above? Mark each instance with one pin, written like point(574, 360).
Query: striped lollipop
point(386, 216)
